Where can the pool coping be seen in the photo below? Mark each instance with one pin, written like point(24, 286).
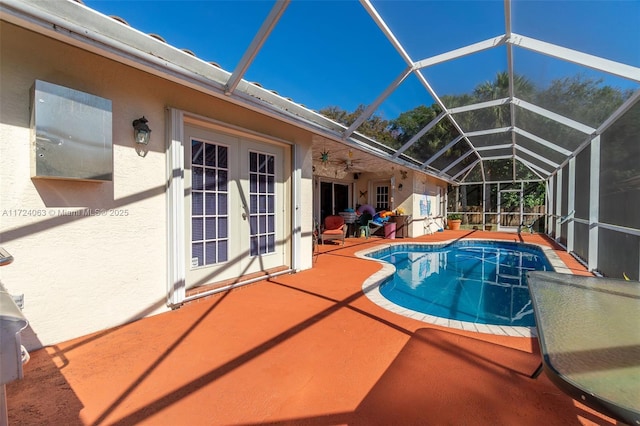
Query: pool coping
point(371, 289)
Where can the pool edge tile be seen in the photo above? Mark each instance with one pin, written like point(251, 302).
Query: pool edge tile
point(371, 289)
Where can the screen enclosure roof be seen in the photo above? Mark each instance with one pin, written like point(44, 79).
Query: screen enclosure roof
point(470, 91)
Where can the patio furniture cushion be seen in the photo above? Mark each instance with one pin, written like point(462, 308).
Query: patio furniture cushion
point(334, 229)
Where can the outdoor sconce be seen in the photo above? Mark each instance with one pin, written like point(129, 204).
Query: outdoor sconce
point(141, 132)
point(400, 187)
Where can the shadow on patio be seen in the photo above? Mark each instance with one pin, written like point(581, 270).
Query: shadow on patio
point(307, 348)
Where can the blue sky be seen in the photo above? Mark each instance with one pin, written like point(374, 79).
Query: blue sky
point(325, 53)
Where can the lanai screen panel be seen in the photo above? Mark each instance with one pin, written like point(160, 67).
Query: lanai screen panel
point(536, 149)
point(563, 138)
point(484, 119)
point(582, 205)
point(548, 21)
point(524, 172)
point(458, 150)
point(573, 91)
point(620, 196)
point(487, 83)
point(498, 170)
point(564, 206)
point(489, 140)
point(620, 171)
point(461, 166)
point(475, 174)
point(336, 65)
point(518, 65)
point(404, 125)
point(410, 23)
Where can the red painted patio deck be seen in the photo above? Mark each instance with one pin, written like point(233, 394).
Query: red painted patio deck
point(302, 349)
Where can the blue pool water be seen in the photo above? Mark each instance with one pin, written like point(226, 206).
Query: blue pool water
point(473, 281)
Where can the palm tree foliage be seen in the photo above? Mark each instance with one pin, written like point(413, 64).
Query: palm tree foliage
point(580, 98)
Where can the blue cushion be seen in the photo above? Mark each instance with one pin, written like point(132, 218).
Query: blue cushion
point(379, 220)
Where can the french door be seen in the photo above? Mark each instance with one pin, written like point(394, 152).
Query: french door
point(235, 198)
point(334, 198)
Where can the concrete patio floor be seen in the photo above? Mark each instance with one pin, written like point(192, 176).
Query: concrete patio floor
point(302, 349)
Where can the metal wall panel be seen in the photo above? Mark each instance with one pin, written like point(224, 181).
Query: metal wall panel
point(71, 134)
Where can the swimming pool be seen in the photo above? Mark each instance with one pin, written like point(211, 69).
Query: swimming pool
point(478, 285)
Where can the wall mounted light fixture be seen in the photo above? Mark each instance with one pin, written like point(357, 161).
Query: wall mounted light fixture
point(141, 131)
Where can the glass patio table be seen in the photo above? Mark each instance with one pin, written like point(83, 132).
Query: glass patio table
point(589, 332)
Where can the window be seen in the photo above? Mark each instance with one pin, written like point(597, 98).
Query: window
point(209, 206)
point(382, 197)
point(262, 204)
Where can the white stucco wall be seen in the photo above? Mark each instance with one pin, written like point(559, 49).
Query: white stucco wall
point(81, 274)
point(78, 274)
point(426, 188)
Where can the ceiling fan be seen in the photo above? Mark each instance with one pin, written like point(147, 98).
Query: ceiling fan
point(349, 162)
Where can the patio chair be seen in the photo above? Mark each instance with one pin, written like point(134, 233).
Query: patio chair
point(334, 229)
point(363, 225)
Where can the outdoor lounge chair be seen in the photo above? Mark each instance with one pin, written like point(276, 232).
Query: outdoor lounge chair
point(334, 229)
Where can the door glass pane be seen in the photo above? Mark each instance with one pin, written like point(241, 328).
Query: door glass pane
point(196, 152)
point(197, 252)
point(210, 228)
point(253, 162)
point(196, 203)
point(254, 246)
point(210, 249)
point(208, 203)
point(382, 198)
point(196, 229)
point(222, 180)
point(197, 178)
point(222, 204)
point(223, 250)
point(261, 205)
point(223, 226)
point(270, 165)
point(210, 180)
point(222, 157)
point(210, 154)
point(340, 197)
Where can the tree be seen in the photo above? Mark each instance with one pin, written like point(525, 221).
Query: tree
point(410, 123)
point(375, 127)
point(583, 99)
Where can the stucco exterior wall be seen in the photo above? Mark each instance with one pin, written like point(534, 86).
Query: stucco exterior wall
point(81, 274)
point(427, 189)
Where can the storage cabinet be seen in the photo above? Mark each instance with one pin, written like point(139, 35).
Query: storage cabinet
point(402, 225)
